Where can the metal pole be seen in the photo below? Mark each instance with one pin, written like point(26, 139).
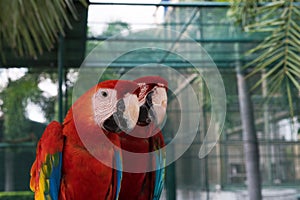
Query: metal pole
point(205, 4)
point(60, 62)
point(162, 3)
point(66, 105)
point(203, 130)
point(171, 181)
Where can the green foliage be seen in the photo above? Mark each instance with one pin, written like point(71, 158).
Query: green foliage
point(30, 27)
point(279, 52)
point(47, 105)
point(15, 99)
point(20, 195)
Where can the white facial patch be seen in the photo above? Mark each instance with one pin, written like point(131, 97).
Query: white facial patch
point(104, 105)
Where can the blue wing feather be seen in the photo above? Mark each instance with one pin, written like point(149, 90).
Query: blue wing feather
point(119, 172)
point(159, 174)
point(55, 177)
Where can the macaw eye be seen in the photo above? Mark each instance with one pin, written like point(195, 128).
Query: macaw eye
point(104, 93)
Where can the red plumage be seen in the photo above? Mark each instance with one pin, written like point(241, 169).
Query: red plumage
point(144, 138)
point(82, 176)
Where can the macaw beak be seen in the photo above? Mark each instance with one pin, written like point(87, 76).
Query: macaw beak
point(154, 108)
point(126, 116)
point(160, 101)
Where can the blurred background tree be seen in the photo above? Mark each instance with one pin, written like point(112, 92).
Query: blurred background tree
point(115, 28)
point(15, 97)
point(29, 28)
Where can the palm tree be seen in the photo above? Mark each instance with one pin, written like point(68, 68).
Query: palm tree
point(278, 60)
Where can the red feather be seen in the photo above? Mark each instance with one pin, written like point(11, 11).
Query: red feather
point(140, 186)
point(83, 176)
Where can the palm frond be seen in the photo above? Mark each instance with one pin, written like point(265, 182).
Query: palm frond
point(30, 27)
point(278, 53)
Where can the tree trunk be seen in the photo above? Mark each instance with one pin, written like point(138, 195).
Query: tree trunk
point(9, 170)
point(251, 150)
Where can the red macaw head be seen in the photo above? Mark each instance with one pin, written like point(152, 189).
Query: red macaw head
point(111, 105)
point(116, 105)
point(152, 99)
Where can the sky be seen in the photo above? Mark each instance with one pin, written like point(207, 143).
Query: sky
point(141, 16)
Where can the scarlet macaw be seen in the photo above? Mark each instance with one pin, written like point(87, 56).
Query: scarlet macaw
point(64, 169)
point(146, 137)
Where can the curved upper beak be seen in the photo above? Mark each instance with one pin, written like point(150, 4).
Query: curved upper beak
point(154, 107)
point(126, 115)
point(159, 104)
point(131, 111)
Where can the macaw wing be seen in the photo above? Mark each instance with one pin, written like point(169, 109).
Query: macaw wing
point(160, 163)
point(46, 169)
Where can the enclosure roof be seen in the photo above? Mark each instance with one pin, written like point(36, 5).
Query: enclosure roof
point(206, 23)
